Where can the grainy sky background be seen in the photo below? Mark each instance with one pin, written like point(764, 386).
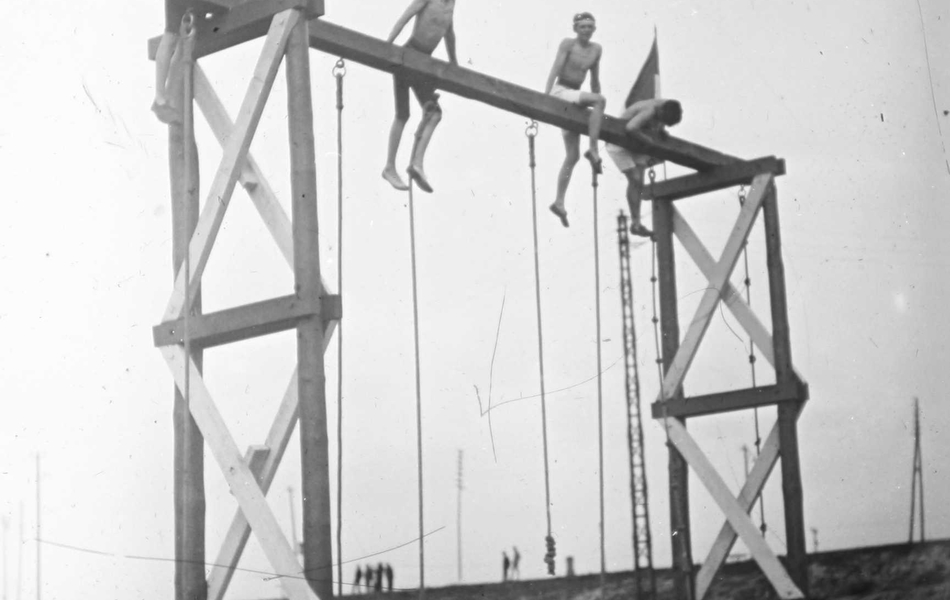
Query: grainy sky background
point(842, 90)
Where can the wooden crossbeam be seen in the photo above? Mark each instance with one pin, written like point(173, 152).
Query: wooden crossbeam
point(241, 481)
point(730, 295)
point(235, 152)
point(718, 178)
point(378, 54)
point(244, 322)
point(735, 512)
point(235, 22)
point(721, 402)
point(707, 305)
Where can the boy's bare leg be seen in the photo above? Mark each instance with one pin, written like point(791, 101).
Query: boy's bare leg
point(163, 106)
point(431, 116)
point(572, 143)
point(634, 187)
point(597, 103)
point(389, 171)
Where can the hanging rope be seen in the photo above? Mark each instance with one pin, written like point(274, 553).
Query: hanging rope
point(656, 320)
point(415, 327)
point(748, 298)
point(550, 551)
point(600, 395)
point(339, 71)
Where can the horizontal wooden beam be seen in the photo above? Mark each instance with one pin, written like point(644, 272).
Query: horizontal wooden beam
point(378, 54)
point(718, 178)
point(711, 404)
point(242, 23)
point(244, 322)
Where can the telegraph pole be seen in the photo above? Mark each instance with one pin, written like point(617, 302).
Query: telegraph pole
point(917, 479)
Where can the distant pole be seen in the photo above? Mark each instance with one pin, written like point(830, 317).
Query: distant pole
point(745, 459)
point(917, 479)
point(39, 580)
point(459, 517)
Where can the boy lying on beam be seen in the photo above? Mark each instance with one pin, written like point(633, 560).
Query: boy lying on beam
point(646, 116)
point(575, 57)
point(433, 22)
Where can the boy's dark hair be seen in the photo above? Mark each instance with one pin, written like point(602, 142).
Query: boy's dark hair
point(583, 15)
point(671, 113)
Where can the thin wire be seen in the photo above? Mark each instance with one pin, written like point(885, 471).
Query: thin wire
point(933, 97)
point(600, 395)
point(415, 327)
point(339, 71)
point(531, 132)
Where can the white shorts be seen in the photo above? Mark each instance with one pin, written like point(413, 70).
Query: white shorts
point(566, 94)
point(626, 160)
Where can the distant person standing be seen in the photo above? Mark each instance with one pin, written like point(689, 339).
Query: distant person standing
point(389, 577)
point(505, 565)
point(368, 578)
point(378, 581)
point(359, 578)
point(515, 561)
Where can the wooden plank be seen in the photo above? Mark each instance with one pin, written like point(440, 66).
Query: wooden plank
point(735, 513)
point(314, 439)
point(730, 295)
point(240, 323)
point(235, 152)
point(243, 484)
point(277, 439)
point(378, 54)
point(787, 415)
point(766, 461)
point(243, 22)
point(707, 305)
point(718, 178)
point(680, 538)
point(722, 402)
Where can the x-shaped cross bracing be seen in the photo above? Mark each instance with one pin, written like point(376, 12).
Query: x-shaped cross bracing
point(250, 476)
point(738, 523)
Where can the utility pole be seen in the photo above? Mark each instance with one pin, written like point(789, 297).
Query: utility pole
point(459, 516)
point(917, 479)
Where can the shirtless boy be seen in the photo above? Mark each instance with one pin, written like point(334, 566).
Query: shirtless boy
point(645, 116)
point(433, 23)
point(575, 57)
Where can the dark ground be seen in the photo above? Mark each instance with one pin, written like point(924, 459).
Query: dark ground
point(896, 572)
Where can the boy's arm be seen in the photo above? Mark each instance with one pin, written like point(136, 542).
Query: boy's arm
point(450, 45)
point(558, 64)
point(641, 117)
point(411, 11)
point(595, 72)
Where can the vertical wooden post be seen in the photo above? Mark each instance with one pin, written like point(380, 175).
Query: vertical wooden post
point(787, 411)
point(683, 584)
point(314, 441)
point(190, 581)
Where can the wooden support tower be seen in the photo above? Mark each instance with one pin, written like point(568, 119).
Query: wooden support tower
point(788, 394)
point(290, 27)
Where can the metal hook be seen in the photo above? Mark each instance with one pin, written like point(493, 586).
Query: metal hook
point(532, 129)
point(339, 69)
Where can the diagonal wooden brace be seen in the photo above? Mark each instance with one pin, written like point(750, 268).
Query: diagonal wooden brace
point(707, 305)
point(735, 512)
point(235, 152)
point(241, 480)
point(751, 491)
point(730, 295)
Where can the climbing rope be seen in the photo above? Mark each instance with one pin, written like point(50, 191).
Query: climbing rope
point(600, 395)
point(415, 327)
point(339, 71)
point(531, 132)
point(656, 320)
point(748, 297)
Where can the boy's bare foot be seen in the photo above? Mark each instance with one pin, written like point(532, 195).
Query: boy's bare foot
point(390, 175)
point(638, 228)
point(165, 112)
point(561, 214)
point(595, 162)
point(420, 178)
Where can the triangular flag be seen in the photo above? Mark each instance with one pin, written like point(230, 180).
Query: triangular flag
point(647, 85)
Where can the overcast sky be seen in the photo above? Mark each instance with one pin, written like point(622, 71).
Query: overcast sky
point(842, 90)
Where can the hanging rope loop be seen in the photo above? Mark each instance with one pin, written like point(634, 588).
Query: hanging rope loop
point(531, 131)
point(339, 71)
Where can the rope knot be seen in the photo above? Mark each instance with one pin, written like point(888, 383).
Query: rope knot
point(551, 553)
